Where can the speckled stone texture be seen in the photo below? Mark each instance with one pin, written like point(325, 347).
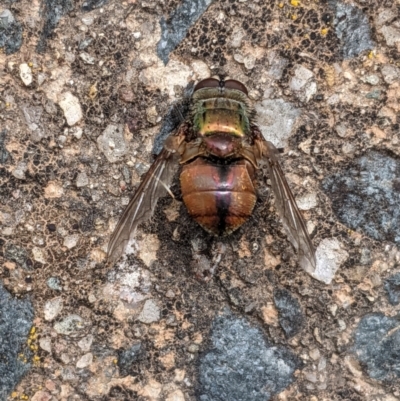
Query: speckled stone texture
point(89, 91)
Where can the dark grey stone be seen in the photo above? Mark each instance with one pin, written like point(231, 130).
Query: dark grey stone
point(352, 28)
point(130, 356)
point(10, 32)
point(52, 11)
point(290, 313)
point(4, 154)
point(174, 29)
point(366, 196)
point(242, 365)
point(392, 287)
point(176, 114)
point(18, 255)
point(16, 316)
point(89, 5)
point(377, 345)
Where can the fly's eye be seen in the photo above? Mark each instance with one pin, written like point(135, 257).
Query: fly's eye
point(207, 83)
point(233, 84)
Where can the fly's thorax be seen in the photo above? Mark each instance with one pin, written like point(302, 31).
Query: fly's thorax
point(221, 111)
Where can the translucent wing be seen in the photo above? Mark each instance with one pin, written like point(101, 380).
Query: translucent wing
point(288, 210)
point(141, 207)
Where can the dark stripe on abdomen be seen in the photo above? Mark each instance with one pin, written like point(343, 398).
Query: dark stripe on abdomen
point(223, 198)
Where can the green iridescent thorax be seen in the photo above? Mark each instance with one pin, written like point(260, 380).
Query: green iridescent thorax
point(215, 111)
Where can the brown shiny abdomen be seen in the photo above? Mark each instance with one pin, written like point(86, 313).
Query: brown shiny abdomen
point(219, 197)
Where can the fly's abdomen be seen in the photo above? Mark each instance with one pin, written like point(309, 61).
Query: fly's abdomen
point(219, 197)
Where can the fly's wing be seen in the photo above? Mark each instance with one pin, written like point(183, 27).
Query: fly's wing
point(155, 184)
point(287, 208)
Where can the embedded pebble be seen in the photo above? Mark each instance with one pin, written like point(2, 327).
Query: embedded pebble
point(237, 37)
point(54, 283)
point(84, 361)
point(38, 255)
point(25, 72)
point(193, 348)
point(311, 376)
point(390, 73)
point(71, 108)
point(88, 20)
point(20, 169)
point(152, 115)
point(372, 79)
point(53, 190)
point(249, 61)
point(329, 255)
point(301, 76)
point(85, 343)
point(87, 58)
point(348, 148)
point(72, 324)
point(150, 312)
point(45, 343)
point(82, 180)
point(112, 143)
point(302, 83)
point(315, 354)
point(307, 201)
point(77, 132)
point(52, 308)
point(276, 120)
point(32, 116)
point(385, 16)
point(70, 241)
point(276, 65)
point(6, 18)
point(391, 35)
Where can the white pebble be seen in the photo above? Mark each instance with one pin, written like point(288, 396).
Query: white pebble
point(82, 180)
point(45, 344)
point(71, 108)
point(38, 255)
point(25, 73)
point(53, 308)
point(85, 343)
point(85, 361)
point(70, 241)
point(150, 312)
point(19, 171)
point(330, 255)
point(307, 202)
